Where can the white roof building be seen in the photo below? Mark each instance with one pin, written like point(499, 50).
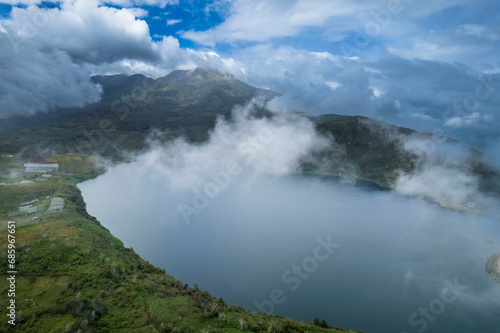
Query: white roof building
point(37, 167)
point(28, 209)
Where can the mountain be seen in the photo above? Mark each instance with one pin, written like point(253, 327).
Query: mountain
point(371, 147)
point(187, 103)
point(183, 103)
point(377, 152)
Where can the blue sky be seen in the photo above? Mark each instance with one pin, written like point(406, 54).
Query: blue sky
point(423, 64)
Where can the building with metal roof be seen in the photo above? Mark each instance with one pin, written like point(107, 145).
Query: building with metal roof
point(38, 167)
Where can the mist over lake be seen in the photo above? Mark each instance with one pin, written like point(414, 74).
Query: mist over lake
point(305, 247)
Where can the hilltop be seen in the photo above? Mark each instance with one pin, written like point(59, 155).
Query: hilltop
point(183, 103)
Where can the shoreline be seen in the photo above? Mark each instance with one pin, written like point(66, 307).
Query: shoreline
point(492, 266)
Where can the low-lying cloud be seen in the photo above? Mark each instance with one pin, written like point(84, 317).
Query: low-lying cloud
point(255, 146)
point(444, 172)
point(443, 184)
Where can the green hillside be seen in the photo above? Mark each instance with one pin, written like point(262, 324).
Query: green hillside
point(374, 155)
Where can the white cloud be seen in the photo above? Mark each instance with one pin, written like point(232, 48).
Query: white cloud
point(443, 173)
point(473, 119)
point(130, 3)
point(477, 30)
point(261, 20)
point(333, 84)
point(122, 3)
point(471, 44)
point(255, 146)
point(86, 31)
point(302, 77)
point(445, 185)
point(377, 92)
point(48, 54)
point(172, 22)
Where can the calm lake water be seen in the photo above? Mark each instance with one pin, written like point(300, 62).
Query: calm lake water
point(359, 258)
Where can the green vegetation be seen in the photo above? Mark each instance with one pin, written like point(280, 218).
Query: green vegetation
point(373, 150)
point(493, 266)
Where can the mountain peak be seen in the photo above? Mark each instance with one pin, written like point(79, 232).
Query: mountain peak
point(197, 74)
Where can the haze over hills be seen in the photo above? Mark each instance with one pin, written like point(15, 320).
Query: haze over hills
point(184, 103)
point(135, 110)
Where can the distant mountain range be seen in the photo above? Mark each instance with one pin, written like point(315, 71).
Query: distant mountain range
point(187, 103)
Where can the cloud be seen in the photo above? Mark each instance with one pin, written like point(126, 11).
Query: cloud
point(444, 173)
point(435, 94)
point(86, 31)
point(421, 94)
point(32, 80)
point(123, 3)
point(49, 54)
point(264, 19)
point(474, 119)
point(477, 30)
point(448, 186)
point(305, 79)
point(492, 151)
point(425, 95)
point(472, 44)
point(65, 45)
point(130, 3)
point(255, 146)
point(173, 22)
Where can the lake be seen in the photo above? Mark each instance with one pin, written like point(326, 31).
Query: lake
point(304, 247)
